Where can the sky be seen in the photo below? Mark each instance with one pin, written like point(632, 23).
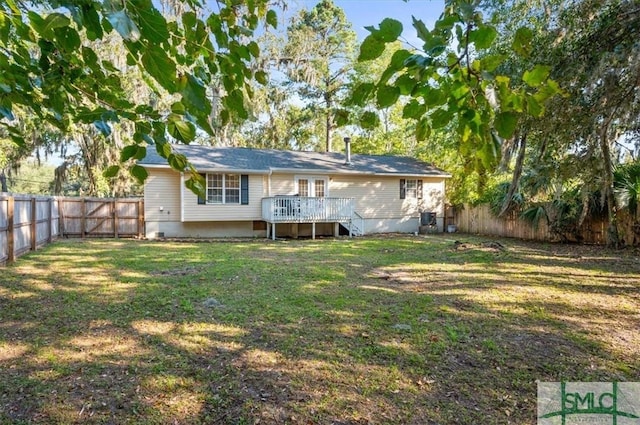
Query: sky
point(363, 13)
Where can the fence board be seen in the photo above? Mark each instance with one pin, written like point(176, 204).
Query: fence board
point(29, 222)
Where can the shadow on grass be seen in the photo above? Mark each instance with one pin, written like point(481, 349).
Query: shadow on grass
point(373, 330)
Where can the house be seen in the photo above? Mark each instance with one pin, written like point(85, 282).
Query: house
point(269, 193)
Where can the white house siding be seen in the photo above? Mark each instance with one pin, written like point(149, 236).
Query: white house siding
point(224, 212)
point(377, 199)
point(162, 196)
point(282, 184)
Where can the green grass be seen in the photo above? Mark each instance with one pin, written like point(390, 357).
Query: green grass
point(381, 330)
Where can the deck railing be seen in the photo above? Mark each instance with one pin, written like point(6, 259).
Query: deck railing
point(300, 209)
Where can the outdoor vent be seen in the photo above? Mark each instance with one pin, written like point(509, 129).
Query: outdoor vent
point(347, 150)
point(159, 234)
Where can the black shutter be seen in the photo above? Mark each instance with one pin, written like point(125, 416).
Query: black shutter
point(403, 188)
point(244, 189)
point(203, 201)
point(419, 189)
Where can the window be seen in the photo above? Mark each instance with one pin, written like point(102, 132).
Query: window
point(303, 187)
point(232, 189)
point(319, 188)
point(410, 189)
point(223, 189)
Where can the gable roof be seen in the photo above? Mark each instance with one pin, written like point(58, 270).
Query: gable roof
point(207, 158)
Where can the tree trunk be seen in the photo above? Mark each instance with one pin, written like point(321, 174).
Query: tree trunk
point(613, 238)
point(3, 182)
point(329, 123)
point(515, 180)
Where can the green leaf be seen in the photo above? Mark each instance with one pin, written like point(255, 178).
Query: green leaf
point(483, 36)
point(534, 108)
point(405, 83)
point(123, 25)
point(440, 118)
point(522, 42)
point(537, 75)
point(369, 120)
point(67, 38)
point(128, 152)
point(5, 28)
point(194, 94)
point(254, 49)
point(491, 62)
point(153, 26)
point(433, 96)
point(413, 109)
point(91, 21)
point(261, 77)
point(272, 18)
point(177, 161)
point(505, 124)
point(371, 48)
point(341, 117)
point(390, 30)
point(178, 108)
point(45, 26)
point(196, 184)
point(387, 96)
point(423, 129)
point(181, 130)
point(139, 173)
point(361, 94)
point(160, 67)
point(547, 90)
point(163, 148)
point(111, 171)
point(235, 102)
point(421, 28)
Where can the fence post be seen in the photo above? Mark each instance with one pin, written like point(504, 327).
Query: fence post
point(115, 219)
point(83, 219)
point(50, 219)
point(34, 223)
point(10, 221)
point(140, 219)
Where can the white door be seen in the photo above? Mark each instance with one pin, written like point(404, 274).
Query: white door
point(312, 190)
point(313, 187)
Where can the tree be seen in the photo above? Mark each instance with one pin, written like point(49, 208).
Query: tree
point(590, 49)
point(319, 55)
point(49, 68)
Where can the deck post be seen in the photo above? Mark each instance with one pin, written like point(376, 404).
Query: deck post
point(273, 231)
point(313, 230)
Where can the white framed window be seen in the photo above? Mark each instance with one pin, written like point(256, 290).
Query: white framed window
point(410, 189)
point(223, 189)
point(320, 188)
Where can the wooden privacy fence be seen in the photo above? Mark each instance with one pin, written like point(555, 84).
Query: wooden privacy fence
point(480, 220)
point(28, 222)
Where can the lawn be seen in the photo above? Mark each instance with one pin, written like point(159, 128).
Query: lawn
point(380, 330)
